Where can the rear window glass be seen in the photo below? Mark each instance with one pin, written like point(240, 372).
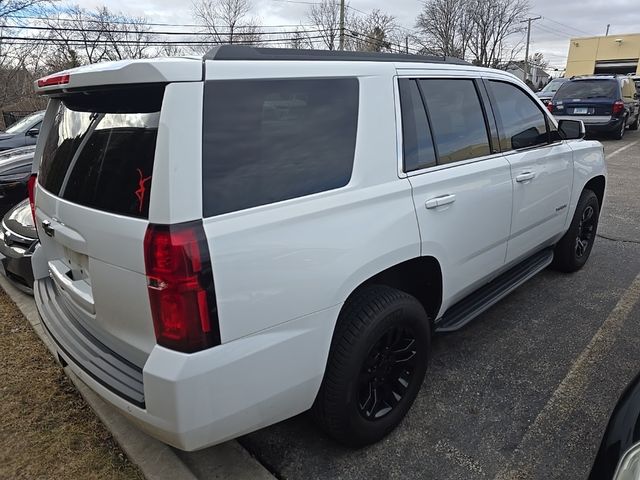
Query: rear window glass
point(266, 141)
point(584, 89)
point(100, 150)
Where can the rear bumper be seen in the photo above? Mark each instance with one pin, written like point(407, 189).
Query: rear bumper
point(192, 401)
point(595, 124)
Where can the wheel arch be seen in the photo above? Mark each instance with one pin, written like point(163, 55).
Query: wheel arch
point(420, 277)
point(597, 185)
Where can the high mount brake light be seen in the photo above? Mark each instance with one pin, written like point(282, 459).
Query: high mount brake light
point(180, 286)
point(58, 79)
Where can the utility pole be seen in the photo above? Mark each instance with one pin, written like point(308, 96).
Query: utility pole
point(406, 44)
point(607, 34)
point(526, 55)
point(341, 47)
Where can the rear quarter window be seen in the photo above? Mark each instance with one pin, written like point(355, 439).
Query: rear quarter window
point(266, 141)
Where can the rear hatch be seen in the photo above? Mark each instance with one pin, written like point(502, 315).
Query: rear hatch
point(92, 207)
point(586, 98)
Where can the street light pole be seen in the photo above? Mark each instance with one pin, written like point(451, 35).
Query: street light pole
point(341, 47)
point(526, 55)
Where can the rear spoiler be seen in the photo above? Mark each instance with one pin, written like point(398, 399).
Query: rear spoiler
point(125, 72)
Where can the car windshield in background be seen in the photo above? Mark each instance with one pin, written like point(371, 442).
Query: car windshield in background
point(584, 89)
point(21, 125)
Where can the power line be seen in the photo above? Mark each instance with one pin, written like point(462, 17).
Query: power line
point(76, 42)
point(566, 26)
point(150, 24)
point(102, 30)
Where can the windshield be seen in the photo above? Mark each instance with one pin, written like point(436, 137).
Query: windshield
point(554, 85)
point(25, 123)
point(584, 89)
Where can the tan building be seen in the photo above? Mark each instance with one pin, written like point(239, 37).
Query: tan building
point(611, 54)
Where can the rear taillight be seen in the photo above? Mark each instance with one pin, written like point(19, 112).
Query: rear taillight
point(180, 285)
point(618, 107)
point(550, 107)
point(31, 188)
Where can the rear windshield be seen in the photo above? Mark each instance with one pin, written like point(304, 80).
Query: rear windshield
point(271, 140)
point(585, 89)
point(99, 152)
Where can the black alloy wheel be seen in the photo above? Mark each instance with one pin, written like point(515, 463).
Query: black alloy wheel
point(387, 372)
point(586, 231)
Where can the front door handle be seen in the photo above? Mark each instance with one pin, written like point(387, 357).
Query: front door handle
point(440, 201)
point(525, 177)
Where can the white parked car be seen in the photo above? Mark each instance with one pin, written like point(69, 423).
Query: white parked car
point(231, 240)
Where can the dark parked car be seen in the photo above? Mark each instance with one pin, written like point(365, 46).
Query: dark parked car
point(547, 93)
point(605, 103)
point(619, 454)
point(22, 133)
point(15, 170)
point(18, 239)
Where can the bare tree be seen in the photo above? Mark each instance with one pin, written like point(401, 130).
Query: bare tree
point(228, 21)
point(299, 39)
point(444, 27)
point(372, 33)
point(325, 17)
point(492, 23)
point(474, 29)
point(81, 36)
point(9, 7)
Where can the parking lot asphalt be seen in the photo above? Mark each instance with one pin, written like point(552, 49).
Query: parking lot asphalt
point(525, 391)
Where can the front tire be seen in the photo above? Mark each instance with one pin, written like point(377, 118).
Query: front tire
point(574, 248)
point(376, 365)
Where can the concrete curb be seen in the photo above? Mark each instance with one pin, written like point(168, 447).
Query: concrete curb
point(156, 460)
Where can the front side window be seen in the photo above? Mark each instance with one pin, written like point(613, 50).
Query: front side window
point(266, 141)
point(521, 122)
point(457, 119)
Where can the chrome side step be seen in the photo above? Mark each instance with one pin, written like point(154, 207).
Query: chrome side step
point(477, 302)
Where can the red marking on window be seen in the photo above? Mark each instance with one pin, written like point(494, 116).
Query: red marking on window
point(142, 189)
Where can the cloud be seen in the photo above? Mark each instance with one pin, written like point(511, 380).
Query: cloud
point(550, 35)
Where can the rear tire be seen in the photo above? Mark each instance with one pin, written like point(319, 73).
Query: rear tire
point(574, 248)
point(619, 134)
point(634, 125)
point(376, 365)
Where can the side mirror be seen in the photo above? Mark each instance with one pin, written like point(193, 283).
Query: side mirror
point(629, 465)
point(571, 129)
point(34, 132)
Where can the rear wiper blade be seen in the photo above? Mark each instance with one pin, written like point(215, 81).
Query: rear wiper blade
point(597, 96)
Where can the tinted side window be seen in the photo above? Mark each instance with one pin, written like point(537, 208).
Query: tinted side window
point(521, 122)
point(457, 120)
point(265, 141)
point(416, 134)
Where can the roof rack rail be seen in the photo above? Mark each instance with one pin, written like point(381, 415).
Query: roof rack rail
point(245, 52)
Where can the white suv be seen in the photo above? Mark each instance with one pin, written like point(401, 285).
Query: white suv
point(231, 240)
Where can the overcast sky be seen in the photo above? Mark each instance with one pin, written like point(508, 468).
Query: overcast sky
point(562, 19)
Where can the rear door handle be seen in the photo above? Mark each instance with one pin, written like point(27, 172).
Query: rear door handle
point(525, 177)
point(440, 201)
